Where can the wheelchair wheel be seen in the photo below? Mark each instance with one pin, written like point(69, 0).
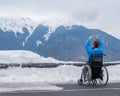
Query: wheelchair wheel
point(104, 76)
point(80, 82)
point(86, 75)
point(94, 82)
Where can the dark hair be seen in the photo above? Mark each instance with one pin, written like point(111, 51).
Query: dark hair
point(96, 44)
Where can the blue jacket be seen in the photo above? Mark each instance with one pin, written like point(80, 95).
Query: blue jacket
point(96, 51)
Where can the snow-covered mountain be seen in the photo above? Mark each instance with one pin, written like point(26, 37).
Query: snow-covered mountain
point(16, 24)
point(62, 40)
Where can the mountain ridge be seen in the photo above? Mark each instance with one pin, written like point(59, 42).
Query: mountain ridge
point(66, 43)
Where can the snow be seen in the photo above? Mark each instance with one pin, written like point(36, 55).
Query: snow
point(61, 74)
point(38, 42)
point(17, 78)
point(8, 87)
point(22, 56)
point(54, 23)
point(16, 24)
point(114, 73)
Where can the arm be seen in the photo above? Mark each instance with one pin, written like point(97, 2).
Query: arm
point(87, 46)
point(100, 44)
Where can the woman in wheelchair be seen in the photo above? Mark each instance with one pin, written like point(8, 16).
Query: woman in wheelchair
point(97, 48)
point(94, 69)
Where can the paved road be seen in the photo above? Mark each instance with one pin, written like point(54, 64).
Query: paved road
point(72, 90)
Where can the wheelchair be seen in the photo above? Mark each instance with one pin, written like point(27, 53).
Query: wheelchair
point(94, 73)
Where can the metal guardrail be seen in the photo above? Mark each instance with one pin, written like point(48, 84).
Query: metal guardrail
point(50, 65)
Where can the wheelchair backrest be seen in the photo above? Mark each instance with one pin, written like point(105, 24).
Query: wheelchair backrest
point(96, 61)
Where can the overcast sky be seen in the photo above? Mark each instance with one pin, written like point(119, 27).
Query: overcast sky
point(100, 14)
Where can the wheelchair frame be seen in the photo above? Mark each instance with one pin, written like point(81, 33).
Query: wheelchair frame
point(94, 72)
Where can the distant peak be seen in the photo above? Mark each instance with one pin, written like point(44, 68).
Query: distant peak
point(16, 24)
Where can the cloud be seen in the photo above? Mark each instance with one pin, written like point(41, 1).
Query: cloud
point(86, 15)
point(101, 14)
point(42, 7)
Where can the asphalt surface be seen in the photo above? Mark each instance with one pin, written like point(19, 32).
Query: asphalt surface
point(72, 90)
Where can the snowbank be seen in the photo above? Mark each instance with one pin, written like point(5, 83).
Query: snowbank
point(61, 74)
point(22, 56)
point(17, 78)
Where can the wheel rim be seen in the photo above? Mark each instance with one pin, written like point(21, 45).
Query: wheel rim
point(105, 76)
point(80, 82)
point(86, 75)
